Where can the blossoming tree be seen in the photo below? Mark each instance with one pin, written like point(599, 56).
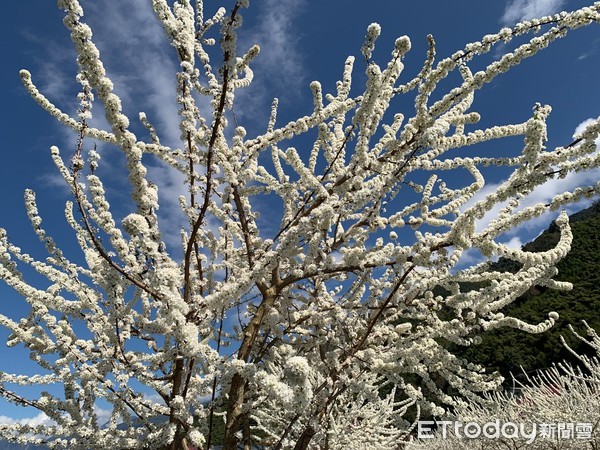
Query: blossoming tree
point(334, 305)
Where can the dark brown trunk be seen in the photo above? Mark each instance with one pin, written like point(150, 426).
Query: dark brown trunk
point(246, 429)
point(305, 438)
point(234, 411)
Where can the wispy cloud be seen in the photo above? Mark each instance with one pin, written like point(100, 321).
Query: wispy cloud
point(139, 61)
point(171, 186)
point(278, 69)
point(519, 10)
point(591, 51)
point(142, 66)
point(280, 58)
point(541, 194)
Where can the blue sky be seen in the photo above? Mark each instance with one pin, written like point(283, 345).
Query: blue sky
point(301, 41)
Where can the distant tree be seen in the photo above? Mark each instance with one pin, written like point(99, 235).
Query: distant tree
point(335, 303)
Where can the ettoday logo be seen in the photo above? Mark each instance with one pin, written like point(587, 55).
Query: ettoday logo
point(503, 430)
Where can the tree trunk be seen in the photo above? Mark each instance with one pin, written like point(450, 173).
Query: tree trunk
point(305, 438)
point(234, 411)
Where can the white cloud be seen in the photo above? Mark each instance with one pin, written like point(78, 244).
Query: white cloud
point(469, 258)
point(142, 65)
point(514, 242)
point(519, 10)
point(583, 125)
point(40, 419)
point(541, 194)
